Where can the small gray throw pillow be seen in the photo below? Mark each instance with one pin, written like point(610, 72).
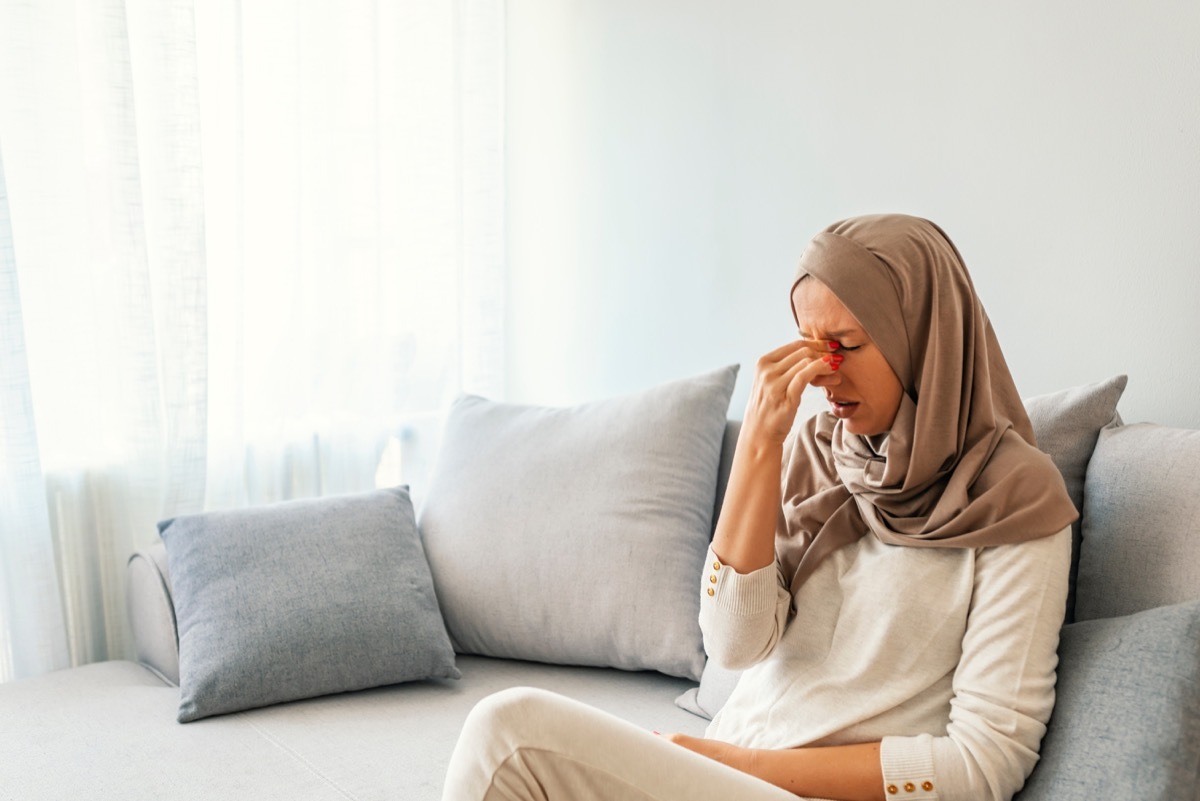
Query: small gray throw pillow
point(1126, 723)
point(1141, 522)
point(575, 535)
point(300, 599)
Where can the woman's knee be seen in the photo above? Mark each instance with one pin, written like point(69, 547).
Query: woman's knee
point(516, 713)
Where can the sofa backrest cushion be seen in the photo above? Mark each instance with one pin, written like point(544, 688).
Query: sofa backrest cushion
point(1141, 521)
point(1066, 424)
point(575, 535)
point(728, 446)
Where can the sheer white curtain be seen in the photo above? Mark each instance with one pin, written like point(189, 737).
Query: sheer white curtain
point(248, 252)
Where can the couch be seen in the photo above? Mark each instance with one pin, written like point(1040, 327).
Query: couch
point(1127, 724)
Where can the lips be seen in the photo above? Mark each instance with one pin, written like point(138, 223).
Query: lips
point(842, 408)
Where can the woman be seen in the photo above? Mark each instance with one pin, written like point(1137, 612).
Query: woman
point(924, 671)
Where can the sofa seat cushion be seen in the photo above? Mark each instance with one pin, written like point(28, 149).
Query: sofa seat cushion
point(108, 730)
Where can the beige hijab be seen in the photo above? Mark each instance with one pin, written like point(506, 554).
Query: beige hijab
point(959, 468)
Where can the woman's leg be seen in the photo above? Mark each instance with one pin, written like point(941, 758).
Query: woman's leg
point(531, 745)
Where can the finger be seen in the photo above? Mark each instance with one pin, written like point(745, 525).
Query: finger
point(783, 368)
point(804, 374)
point(811, 359)
point(785, 350)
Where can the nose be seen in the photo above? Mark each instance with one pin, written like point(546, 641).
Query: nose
point(830, 380)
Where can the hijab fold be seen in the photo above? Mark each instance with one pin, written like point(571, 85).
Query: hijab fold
point(959, 467)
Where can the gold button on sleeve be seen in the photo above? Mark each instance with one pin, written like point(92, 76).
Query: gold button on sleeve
point(909, 787)
point(892, 789)
point(716, 565)
point(927, 786)
point(712, 579)
point(711, 591)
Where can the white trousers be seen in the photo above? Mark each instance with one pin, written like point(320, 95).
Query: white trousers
point(532, 745)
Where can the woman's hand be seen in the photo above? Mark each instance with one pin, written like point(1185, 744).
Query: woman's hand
point(780, 378)
point(745, 535)
point(722, 752)
point(852, 772)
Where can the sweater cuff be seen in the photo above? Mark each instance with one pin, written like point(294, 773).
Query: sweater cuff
point(908, 768)
point(738, 594)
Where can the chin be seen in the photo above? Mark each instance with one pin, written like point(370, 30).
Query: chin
point(857, 429)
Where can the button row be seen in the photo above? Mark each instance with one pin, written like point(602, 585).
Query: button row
point(713, 579)
point(909, 787)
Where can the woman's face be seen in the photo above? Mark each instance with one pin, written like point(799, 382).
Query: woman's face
point(865, 392)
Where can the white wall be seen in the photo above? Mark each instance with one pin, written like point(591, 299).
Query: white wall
point(668, 159)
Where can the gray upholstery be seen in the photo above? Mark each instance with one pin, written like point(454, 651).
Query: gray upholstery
point(1066, 424)
point(108, 731)
point(152, 612)
point(1141, 524)
point(1126, 722)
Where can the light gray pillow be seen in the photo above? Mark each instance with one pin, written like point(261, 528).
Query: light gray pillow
point(1066, 424)
point(716, 685)
point(1126, 722)
point(300, 599)
point(575, 535)
point(1141, 521)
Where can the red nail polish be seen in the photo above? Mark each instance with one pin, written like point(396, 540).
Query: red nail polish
point(827, 358)
point(835, 365)
point(834, 344)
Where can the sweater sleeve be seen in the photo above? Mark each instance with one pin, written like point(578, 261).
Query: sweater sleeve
point(1003, 685)
point(742, 616)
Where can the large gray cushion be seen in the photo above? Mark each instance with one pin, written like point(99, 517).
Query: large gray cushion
point(1066, 424)
point(1141, 522)
point(1127, 719)
point(575, 535)
point(301, 599)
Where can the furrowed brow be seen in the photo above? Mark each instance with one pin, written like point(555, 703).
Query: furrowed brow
point(834, 334)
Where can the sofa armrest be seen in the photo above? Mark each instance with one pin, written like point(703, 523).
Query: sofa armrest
point(152, 612)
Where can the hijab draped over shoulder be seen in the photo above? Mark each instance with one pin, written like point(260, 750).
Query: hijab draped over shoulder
point(959, 468)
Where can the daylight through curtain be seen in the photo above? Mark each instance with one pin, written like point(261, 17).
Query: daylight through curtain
point(248, 252)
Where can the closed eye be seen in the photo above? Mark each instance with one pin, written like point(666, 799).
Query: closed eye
point(836, 336)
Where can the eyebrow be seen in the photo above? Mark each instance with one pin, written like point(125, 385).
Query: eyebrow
point(834, 334)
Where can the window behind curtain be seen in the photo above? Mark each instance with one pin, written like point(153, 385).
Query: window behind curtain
point(257, 250)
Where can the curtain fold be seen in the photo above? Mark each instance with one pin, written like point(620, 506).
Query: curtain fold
point(35, 642)
point(248, 252)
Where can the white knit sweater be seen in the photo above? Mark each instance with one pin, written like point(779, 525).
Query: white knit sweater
point(947, 655)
